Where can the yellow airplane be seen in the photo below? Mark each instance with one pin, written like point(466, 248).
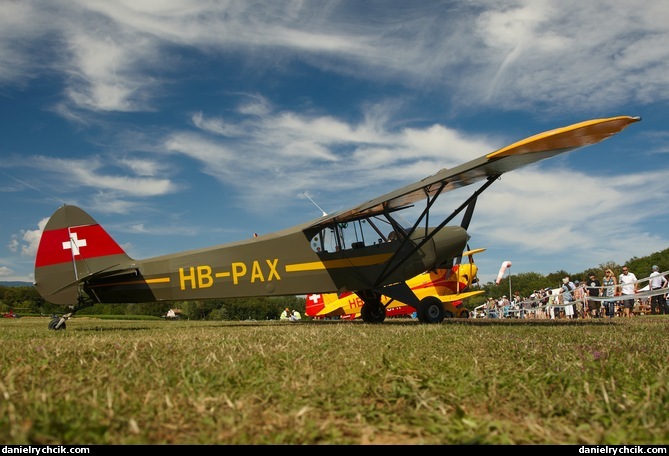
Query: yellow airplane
point(79, 264)
point(448, 285)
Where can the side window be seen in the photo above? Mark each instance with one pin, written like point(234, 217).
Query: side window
point(353, 235)
point(317, 242)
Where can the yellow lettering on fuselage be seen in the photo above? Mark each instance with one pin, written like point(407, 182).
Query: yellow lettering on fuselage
point(190, 277)
point(354, 302)
point(204, 279)
point(256, 273)
point(238, 270)
point(272, 269)
point(202, 276)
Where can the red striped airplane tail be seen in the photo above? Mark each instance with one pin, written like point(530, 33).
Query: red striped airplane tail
point(73, 249)
point(314, 304)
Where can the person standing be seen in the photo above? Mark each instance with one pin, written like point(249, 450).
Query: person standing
point(579, 300)
point(552, 300)
point(610, 284)
point(593, 290)
point(657, 282)
point(491, 308)
point(506, 305)
point(567, 298)
point(628, 288)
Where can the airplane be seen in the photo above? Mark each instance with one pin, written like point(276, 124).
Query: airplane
point(347, 306)
point(450, 286)
point(78, 263)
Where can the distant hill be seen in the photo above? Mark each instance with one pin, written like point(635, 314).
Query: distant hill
point(16, 284)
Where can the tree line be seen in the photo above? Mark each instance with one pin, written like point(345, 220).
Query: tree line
point(25, 300)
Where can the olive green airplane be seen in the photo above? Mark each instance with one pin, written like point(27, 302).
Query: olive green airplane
point(368, 249)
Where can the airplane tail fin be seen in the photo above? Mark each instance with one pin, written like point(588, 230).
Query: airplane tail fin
point(316, 303)
point(72, 249)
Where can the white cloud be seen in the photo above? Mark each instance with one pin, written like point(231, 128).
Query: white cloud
point(532, 51)
point(89, 172)
point(28, 240)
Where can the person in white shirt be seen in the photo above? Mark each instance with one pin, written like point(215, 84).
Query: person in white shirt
point(628, 288)
point(657, 282)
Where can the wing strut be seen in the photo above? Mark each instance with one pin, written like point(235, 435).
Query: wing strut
point(425, 214)
point(469, 204)
point(466, 219)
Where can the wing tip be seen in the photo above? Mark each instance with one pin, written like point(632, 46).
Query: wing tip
point(567, 138)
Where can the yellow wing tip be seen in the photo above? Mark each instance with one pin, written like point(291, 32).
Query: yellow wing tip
point(570, 137)
point(472, 252)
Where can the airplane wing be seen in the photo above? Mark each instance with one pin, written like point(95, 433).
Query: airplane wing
point(525, 152)
point(459, 296)
point(336, 311)
point(333, 307)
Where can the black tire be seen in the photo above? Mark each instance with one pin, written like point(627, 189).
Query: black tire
point(53, 324)
point(464, 314)
point(431, 310)
point(448, 314)
point(373, 312)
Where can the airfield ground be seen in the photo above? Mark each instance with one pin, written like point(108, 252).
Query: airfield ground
point(400, 382)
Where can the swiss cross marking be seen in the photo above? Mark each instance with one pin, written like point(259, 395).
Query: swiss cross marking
point(74, 243)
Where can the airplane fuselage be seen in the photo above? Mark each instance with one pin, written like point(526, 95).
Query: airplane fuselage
point(279, 264)
point(285, 266)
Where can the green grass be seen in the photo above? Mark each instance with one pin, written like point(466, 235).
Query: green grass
point(460, 382)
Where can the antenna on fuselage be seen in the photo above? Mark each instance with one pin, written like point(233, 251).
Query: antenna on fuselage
point(321, 209)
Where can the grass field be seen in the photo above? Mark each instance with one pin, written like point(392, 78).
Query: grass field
point(400, 382)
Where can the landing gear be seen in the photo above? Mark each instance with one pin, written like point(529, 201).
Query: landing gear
point(58, 323)
point(431, 310)
point(372, 311)
point(464, 314)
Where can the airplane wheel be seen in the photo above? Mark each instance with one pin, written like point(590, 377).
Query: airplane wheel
point(448, 314)
point(431, 310)
point(464, 313)
point(373, 312)
point(53, 324)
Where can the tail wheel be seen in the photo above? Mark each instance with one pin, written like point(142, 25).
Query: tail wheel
point(431, 310)
point(53, 324)
point(464, 314)
point(373, 311)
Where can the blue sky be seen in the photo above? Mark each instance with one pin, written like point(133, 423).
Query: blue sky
point(181, 124)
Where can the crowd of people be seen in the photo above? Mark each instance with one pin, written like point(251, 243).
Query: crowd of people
point(592, 298)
